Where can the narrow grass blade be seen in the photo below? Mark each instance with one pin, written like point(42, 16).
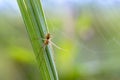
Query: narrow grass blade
point(34, 20)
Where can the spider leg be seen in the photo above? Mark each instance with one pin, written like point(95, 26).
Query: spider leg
point(57, 46)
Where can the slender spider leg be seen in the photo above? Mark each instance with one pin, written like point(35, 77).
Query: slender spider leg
point(41, 58)
point(40, 38)
point(57, 46)
point(43, 47)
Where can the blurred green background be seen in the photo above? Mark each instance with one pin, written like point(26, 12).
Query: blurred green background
point(88, 29)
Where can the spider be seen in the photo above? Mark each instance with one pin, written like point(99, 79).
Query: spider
point(47, 40)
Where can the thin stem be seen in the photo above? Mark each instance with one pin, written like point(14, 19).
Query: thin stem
point(36, 26)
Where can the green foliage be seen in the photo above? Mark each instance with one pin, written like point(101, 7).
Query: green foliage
point(33, 17)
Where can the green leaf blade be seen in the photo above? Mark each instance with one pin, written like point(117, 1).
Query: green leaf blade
point(36, 26)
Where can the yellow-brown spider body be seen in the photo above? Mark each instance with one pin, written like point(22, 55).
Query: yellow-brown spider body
point(47, 38)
